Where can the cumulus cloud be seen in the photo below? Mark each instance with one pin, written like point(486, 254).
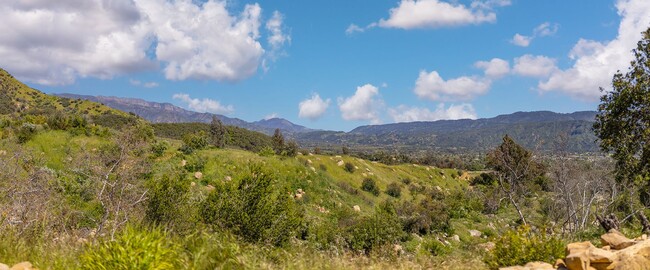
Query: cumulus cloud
point(433, 87)
point(143, 84)
point(410, 14)
point(596, 62)
point(55, 42)
point(410, 114)
point(542, 30)
point(204, 105)
point(534, 66)
point(363, 105)
point(521, 40)
point(494, 68)
point(313, 108)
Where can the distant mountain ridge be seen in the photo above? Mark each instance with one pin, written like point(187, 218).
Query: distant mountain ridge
point(535, 130)
point(539, 130)
point(157, 112)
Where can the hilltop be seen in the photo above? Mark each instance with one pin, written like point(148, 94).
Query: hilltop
point(20, 100)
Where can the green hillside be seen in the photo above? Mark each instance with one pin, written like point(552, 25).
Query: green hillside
point(20, 100)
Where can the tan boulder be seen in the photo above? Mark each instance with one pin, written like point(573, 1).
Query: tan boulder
point(198, 175)
point(340, 163)
point(531, 266)
point(577, 261)
point(4, 266)
point(22, 266)
point(600, 259)
point(636, 257)
point(577, 247)
point(356, 208)
point(616, 240)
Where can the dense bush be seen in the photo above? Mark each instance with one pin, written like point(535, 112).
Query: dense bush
point(255, 207)
point(382, 227)
point(159, 148)
point(370, 185)
point(484, 179)
point(517, 247)
point(394, 190)
point(133, 249)
point(195, 141)
point(267, 151)
point(349, 167)
point(428, 215)
point(26, 132)
point(167, 196)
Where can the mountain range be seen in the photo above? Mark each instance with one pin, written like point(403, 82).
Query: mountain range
point(156, 112)
point(540, 130)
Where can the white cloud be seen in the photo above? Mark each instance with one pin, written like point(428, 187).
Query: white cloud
point(353, 28)
point(410, 114)
point(596, 62)
point(410, 14)
point(204, 105)
point(143, 84)
point(542, 30)
point(313, 108)
point(545, 29)
point(433, 87)
point(363, 105)
point(271, 116)
point(534, 66)
point(494, 68)
point(55, 42)
point(278, 38)
point(521, 40)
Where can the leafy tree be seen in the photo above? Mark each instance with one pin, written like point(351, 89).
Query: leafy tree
point(217, 133)
point(291, 149)
point(278, 141)
point(514, 169)
point(623, 120)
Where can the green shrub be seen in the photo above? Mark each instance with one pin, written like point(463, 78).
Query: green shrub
point(167, 197)
point(427, 216)
point(213, 251)
point(517, 247)
point(255, 207)
point(369, 232)
point(434, 247)
point(484, 179)
point(370, 185)
point(26, 132)
point(195, 141)
point(394, 190)
point(349, 167)
point(195, 163)
point(267, 151)
point(133, 249)
point(159, 148)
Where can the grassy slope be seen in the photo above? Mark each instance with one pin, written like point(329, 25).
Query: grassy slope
point(26, 99)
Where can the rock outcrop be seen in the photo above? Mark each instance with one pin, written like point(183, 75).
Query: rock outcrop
point(617, 253)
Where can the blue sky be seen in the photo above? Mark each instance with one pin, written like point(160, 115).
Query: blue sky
point(327, 64)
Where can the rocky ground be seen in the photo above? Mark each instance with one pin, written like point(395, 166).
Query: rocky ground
point(617, 253)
